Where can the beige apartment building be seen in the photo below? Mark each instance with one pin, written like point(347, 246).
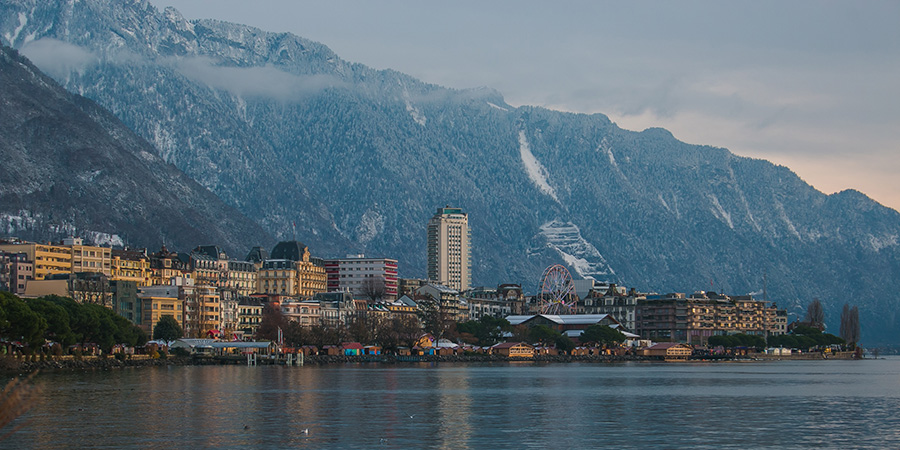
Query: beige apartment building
point(48, 259)
point(88, 258)
point(693, 319)
point(448, 241)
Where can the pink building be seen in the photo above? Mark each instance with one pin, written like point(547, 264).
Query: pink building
point(366, 278)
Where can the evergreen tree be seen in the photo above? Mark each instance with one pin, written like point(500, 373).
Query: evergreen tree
point(167, 329)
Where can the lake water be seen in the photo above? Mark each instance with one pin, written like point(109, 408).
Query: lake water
point(782, 404)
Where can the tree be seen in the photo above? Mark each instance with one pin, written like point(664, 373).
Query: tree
point(408, 329)
point(322, 335)
point(815, 314)
point(373, 289)
point(167, 329)
point(601, 334)
point(19, 323)
point(272, 320)
point(564, 344)
point(485, 331)
point(543, 334)
point(435, 319)
point(737, 340)
point(361, 328)
point(58, 329)
point(850, 324)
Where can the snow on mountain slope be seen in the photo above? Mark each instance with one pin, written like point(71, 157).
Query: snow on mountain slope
point(535, 170)
point(576, 251)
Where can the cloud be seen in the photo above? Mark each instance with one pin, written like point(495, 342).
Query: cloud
point(58, 58)
point(266, 81)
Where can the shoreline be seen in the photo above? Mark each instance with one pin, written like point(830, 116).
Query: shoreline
point(9, 366)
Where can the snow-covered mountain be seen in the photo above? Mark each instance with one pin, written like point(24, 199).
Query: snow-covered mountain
point(284, 130)
point(70, 167)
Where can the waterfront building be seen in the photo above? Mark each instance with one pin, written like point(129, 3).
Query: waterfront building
point(241, 277)
point(159, 301)
point(693, 319)
point(369, 278)
point(670, 351)
point(513, 350)
point(212, 266)
point(401, 306)
point(613, 300)
point(448, 244)
point(88, 287)
point(250, 311)
point(291, 271)
point(15, 272)
point(571, 325)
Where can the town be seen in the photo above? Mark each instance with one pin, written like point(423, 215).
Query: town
point(359, 305)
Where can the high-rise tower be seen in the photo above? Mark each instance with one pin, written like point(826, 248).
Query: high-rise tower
point(449, 261)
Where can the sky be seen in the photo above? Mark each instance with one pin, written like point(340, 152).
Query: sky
point(811, 85)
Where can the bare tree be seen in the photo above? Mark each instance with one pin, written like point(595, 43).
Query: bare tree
point(850, 324)
point(845, 326)
point(407, 328)
point(815, 314)
point(362, 328)
point(373, 289)
point(435, 319)
point(272, 320)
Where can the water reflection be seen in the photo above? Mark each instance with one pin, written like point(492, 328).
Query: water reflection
point(768, 405)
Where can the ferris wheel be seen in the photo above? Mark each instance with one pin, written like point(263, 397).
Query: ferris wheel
point(557, 291)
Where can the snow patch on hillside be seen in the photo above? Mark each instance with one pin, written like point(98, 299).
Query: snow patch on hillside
point(417, 116)
point(782, 214)
point(104, 239)
point(879, 243)
point(535, 170)
point(371, 224)
point(577, 252)
point(720, 212)
point(13, 223)
point(11, 37)
point(497, 107)
point(24, 221)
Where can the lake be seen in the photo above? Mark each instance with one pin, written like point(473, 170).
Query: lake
point(780, 404)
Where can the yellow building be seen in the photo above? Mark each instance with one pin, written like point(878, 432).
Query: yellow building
point(291, 271)
point(157, 302)
point(48, 259)
point(130, 265)
point(241, 277)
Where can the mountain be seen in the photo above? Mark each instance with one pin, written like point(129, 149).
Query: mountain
point(353, 159)
point(70, 165)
